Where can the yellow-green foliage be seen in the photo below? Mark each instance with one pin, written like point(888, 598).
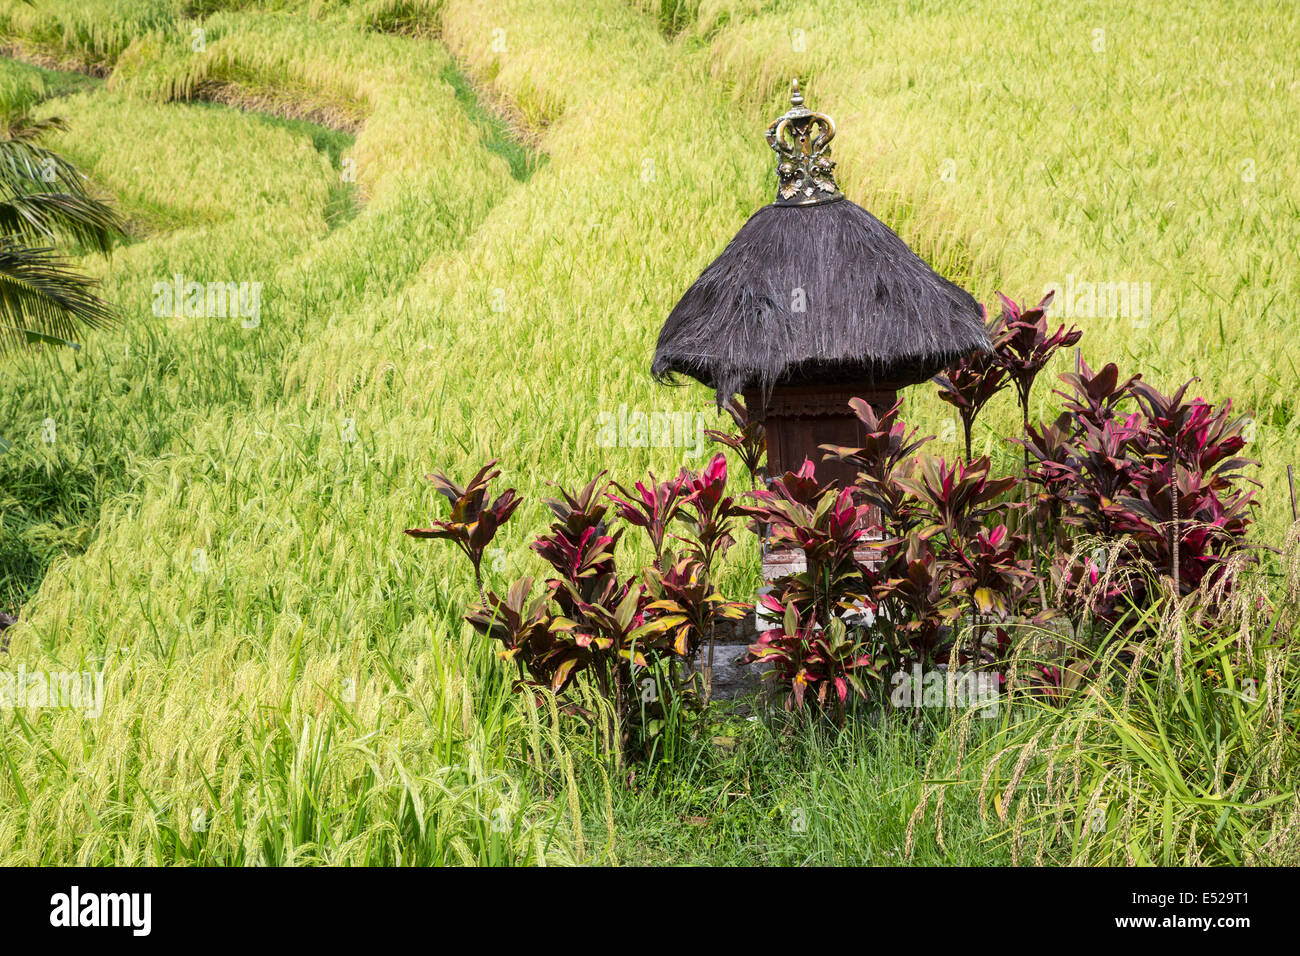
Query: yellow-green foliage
point(277, 655)
point(90, 32)
point(20, 90)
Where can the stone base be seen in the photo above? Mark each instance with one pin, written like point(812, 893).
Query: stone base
point(731, 678)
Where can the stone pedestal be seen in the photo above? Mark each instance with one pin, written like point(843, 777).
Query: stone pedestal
point(732, 679)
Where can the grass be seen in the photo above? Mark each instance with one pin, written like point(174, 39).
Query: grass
point(498, 136)
point(778, 793)
point(217, 524)
point(1185, 757)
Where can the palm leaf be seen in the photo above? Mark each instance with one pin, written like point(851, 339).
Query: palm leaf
point(22, 128)
point(40, 293)
point(40, 338)
point(48, 216)
point(26, 167)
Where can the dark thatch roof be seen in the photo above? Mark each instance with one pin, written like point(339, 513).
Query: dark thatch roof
point(873, 310)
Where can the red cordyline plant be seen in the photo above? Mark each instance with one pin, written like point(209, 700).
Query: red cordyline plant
point(902, 587)
point(750, 442)
point(686, 604)
point(1093, 408)
point(1098, 466)
point(589, 620)
point(601, 628)
point(1184, 529)
point(887, 445)
point(473, 522)
point(1050, 446)
point(707, 512)
point(951, 566)
point(1164, 478)
point(522, 623)
point(652, 507)
point(807, 656)
point(1184, 493)
point(954, 499)
point(971, 383)
point(912, 603)
point(940, 563)
point(576, 545)
point(1024, 345)
point(1095, 397)
point(827, 529)
point(812, 645)
point(1122, 462)
point(989, 572)
point(995, 580)
point(1094, 400)
point(916, 586)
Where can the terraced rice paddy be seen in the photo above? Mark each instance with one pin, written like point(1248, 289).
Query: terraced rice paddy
point(466, 222)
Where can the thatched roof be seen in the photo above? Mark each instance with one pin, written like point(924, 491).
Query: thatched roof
point(872, 310)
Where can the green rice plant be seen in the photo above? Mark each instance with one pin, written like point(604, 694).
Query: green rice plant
point(21, 88)
point(1177, 752)
point(781, 791)
point(413, 17)
point(673, 16)
point(208, 417)
point(89, 35)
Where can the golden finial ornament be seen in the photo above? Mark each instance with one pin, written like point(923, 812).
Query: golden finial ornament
point(801, 139)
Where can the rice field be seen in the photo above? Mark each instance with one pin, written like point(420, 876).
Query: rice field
point(465, 222)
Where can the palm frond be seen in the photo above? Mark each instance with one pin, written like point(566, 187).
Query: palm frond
point(48, 216)
point(23, 128)
point(41, 293)
point(26, 167)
